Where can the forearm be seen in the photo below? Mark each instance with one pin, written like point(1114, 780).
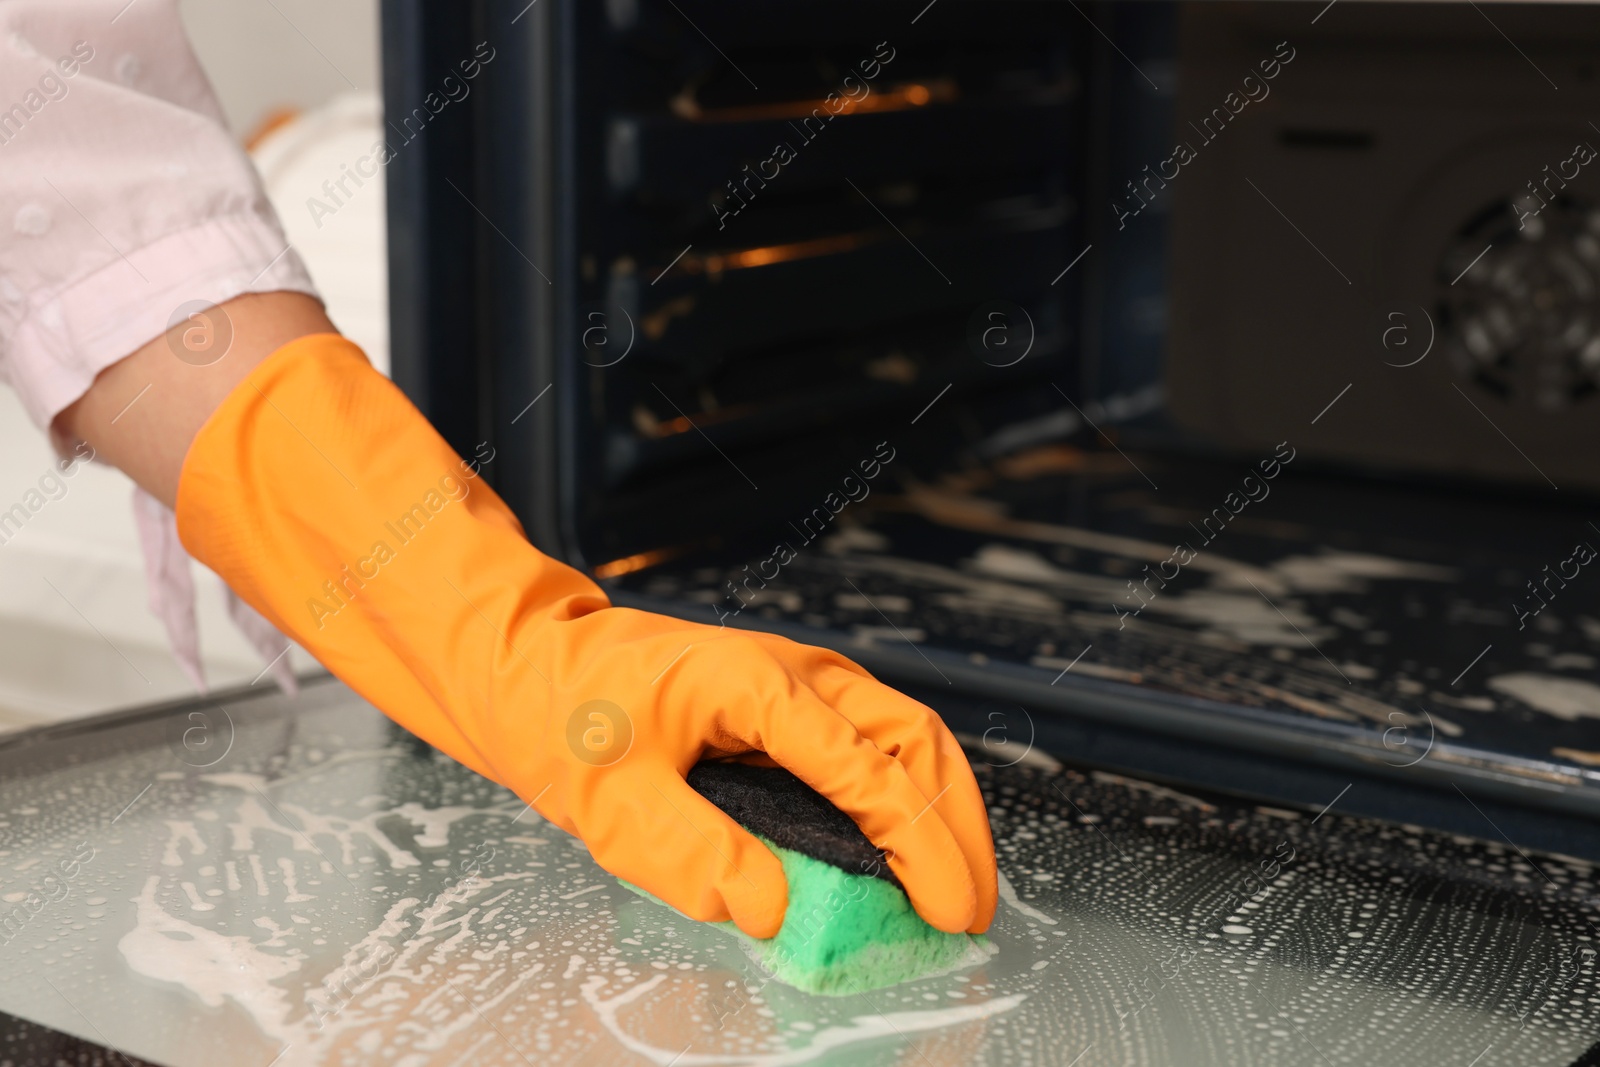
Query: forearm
point(142, 413)
point(128, 201)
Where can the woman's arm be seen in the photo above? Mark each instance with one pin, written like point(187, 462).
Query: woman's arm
point(142, 413)
point(124, 199)
point(326, 501)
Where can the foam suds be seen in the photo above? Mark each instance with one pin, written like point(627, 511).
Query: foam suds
point(1332, 571)
point(1243, 616)
point(860, 1029)
point(195, 902)
point(1008, 895)
point(1570, 699)
point(212, 966)
point(181, 832)
point(1150, 923)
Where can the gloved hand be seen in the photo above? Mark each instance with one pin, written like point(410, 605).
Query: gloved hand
point(329, 504)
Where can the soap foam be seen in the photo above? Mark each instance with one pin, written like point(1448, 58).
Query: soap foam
point(861, 1028)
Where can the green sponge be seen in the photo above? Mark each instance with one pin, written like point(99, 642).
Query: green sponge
point(848, 933)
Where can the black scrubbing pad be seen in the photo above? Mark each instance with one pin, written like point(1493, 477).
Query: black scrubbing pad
point(774, 804)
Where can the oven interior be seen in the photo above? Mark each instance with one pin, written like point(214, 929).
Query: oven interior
point(1202, 389)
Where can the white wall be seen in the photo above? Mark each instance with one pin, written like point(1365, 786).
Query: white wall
point(266, 54)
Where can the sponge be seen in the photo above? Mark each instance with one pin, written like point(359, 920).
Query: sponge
point(848, 933)
point(849, 927)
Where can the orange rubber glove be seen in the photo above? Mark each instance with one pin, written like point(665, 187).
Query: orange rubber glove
point(326, 500)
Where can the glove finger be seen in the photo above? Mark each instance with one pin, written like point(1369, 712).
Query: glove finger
point(665, 838)
point(915, 736)
point(821, 747)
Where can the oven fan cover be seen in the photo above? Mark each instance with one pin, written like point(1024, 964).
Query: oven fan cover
point(1519, 309)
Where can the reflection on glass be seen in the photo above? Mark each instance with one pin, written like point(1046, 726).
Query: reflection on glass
point(330, 892)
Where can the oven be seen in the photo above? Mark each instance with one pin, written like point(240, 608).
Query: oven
point(1205, 390)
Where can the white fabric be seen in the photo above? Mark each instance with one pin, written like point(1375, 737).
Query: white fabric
point(122, 194)
point(122, 197)
point(263, 636)
point(170, 582)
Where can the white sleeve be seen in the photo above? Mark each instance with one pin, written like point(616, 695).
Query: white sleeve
point(123, 196)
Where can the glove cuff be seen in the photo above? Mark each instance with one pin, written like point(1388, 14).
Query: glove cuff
point(328, 503)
